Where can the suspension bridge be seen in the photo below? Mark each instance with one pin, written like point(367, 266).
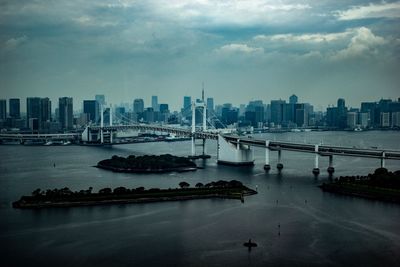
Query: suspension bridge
point(232, 149)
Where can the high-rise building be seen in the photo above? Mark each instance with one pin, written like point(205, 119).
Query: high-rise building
point(385, 119)
point(154, 103)
point(65, 110)
point(91, 107)
point(341, 113)
point(138, 105)
point(45, 111)
point(278, 111)
point(210, 104)
point(14, 108)
point(187, 102)
point(351, 119)
point(33, 109)
point(293, 99)
point(3, 109)
point(148, 115)
point(363, 119)
point(301, 115)
point(101, 99)
point(164, 108)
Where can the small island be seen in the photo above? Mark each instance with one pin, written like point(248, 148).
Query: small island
point(380, 185)
point(66, 198)
point(148, 164)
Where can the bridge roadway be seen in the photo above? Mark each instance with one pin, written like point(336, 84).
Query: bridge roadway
point(323, 150)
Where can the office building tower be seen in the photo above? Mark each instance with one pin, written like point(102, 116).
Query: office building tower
point(154, 103)
point(293, 99)
point(3, 109)
point(14, 108)
point(164, 108)
point(101, 99)
point(138, 105)
point(187, 102)
point(148, 115)
point(45, 111)
point(352, 119)
point(187, 107)
point(65, 110)
point(32, 109)
point(301, 115)
point(92, 108)
point(278, 111)
point(210, 104)
point(341, 113)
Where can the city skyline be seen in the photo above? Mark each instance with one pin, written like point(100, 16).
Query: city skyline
point(266, 49)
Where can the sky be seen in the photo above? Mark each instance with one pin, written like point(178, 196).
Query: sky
point(242, 50)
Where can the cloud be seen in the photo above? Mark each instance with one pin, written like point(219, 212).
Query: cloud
point(13, 43)
point(200, 13)
point(382, 10)
point(304, 38)
point(363, 43)
point(239, 48)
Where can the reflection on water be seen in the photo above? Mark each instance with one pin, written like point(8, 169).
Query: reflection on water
point(292, 221)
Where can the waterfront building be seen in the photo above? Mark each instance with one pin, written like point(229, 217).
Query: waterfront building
point(138, 105)
point(210, 104)
point(65, 109)
point(154, 103)
point(351, 119)
point(92, 108)
point(385, 119)
point(278, 111)
point(32, 110)
point(3, 109)
point(293, 99)
point(101, 99)
point(14, 108)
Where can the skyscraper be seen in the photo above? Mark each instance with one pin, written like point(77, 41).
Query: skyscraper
point(3, 109)
point(65, 109)
point(187, 102)
point(278, 111)
point(154, 103)
point(342, 113)
point(101, 99)
point(293, 99)
point(33, 109)
point(14, 108)
point(164, 108)
point(45, 110)
point(138, 105)
point(91, 107)
point(210, 104)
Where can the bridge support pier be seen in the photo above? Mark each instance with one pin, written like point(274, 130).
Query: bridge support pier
point(279, 166)
point(193, 146)
point(383, 160)
point(316, 168)
point(267, 166)
point(231, 154)
point(331, 169)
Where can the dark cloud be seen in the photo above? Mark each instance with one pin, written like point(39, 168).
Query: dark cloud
point(242, 50)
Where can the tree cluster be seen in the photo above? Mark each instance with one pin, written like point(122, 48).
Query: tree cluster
point(380, 178)
point(165, 161)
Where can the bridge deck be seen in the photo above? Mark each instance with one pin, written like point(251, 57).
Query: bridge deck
point(323, 150)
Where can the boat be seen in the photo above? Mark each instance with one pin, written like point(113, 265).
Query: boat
point(250, 244)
